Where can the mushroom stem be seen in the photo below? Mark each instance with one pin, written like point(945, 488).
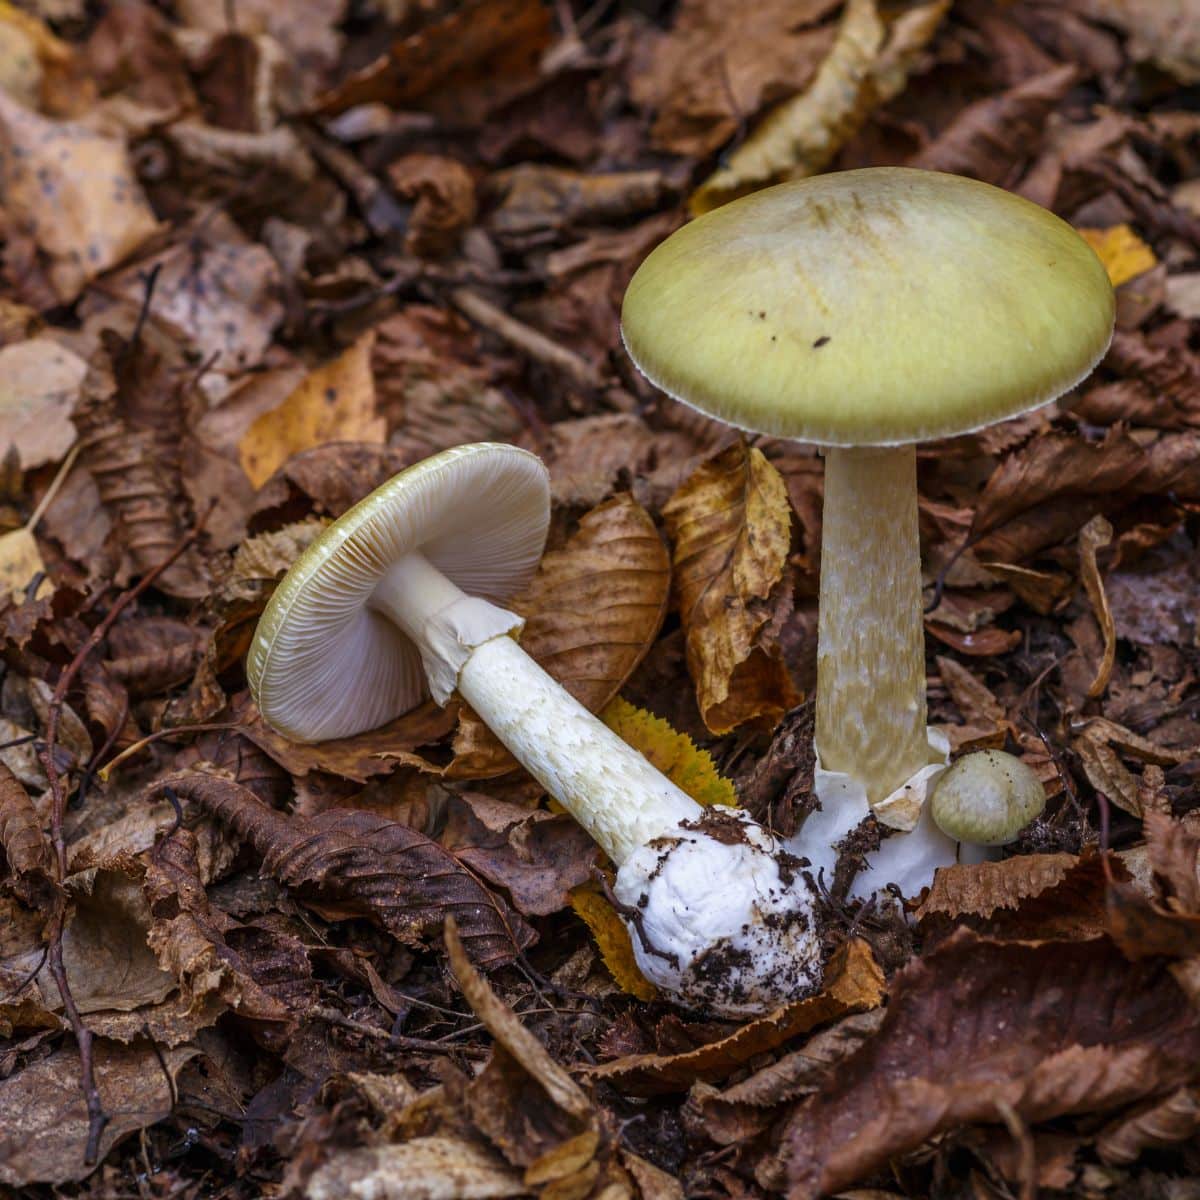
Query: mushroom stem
point(608, 787)
point(870, 709)
point(718, 912)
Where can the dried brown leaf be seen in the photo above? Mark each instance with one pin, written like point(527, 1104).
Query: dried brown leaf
point(346, 863)
point(854, 982)
point(729, 526)
point(1056, 482)
point(25, 845)
point(989, 139)
point(1029, 895)
point(868, 65)
point(443, 195)
point(591, 613)
point(718, 63)
point(376, 752)
point(978, 1025)
point(43, 1120)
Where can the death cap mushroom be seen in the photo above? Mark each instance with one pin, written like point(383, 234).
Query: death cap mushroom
point(869, 308)
point(325, 663)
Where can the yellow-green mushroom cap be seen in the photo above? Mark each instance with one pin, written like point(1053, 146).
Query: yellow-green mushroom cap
point(324, 663)
point(870, 308)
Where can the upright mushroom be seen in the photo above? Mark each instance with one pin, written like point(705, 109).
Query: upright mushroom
point(866, 311)
point(403, 591)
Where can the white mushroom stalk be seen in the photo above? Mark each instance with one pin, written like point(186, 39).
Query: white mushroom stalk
point(719, 913)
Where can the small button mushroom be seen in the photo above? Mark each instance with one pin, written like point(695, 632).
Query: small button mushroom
point(866, 311)
point(401, 597)
point(987, 798)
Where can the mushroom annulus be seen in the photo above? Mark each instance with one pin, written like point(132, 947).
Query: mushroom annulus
point(986, 798)
point(865, 311)
point(400, 597)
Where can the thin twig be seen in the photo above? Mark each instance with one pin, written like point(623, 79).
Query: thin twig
point(400, 1040)
point(1026, 1150)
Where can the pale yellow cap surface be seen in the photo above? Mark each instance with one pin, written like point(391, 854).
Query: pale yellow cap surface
point(870, 308)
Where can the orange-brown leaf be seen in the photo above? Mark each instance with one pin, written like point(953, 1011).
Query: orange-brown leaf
point(730, 527)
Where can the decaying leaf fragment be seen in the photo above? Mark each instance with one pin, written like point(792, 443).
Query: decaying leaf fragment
point(25, 845)
point(39, 385)
point(977, 1025)
point(591, 612)
point(43, 1120)
point(869, 64)
point(74, 191)
point(729, 526)
point(349, 863)
point(427, 1168)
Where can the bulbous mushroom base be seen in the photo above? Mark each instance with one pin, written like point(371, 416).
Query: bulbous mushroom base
point(721, 916)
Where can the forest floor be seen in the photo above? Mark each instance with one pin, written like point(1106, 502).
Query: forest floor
point(258, 257)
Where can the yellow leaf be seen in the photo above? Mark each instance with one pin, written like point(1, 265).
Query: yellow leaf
point(868, 66)
point(20, 561)
point(334, 403)
point(672, 752)
point(1124, 255)
point(730, 528)
point(613, 939)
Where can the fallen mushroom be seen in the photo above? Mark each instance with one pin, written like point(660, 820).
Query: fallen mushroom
point(866, 311)
point(404, 591)
point(987, 798)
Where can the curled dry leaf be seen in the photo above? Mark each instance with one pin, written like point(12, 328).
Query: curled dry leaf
point(74, 192)
point(868, 65)
point(336, 402)
point(729, 526)
point(25, 845)
point(591, 613)
point(138, 480)
point(1152, 1126)
point(1043, 492)
point(989, 140)
point(853, 983)
point(193, 943)
point(464, 64)
point(1093, 537)
point(535, 199)
point(978, 1027)
point(1163, 32)
point(346, 863)
point(44, 1121)
point(443, 192)
point(426, 1168)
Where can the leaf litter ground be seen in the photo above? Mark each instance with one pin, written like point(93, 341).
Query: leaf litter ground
point(258, 258)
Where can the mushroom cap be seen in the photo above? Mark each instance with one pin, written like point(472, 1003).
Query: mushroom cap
point(323, 663)
point(987, 798)
point(869, 308)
